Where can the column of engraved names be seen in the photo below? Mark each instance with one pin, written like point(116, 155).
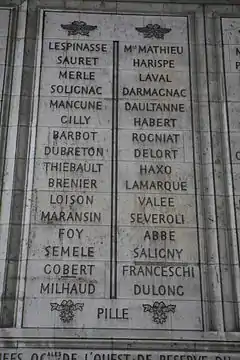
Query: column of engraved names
point(71, 214)
point(157, 214)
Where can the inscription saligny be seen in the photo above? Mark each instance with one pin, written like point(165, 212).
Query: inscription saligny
point(113, 223)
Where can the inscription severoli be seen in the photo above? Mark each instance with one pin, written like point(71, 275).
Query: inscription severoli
point(113, 223)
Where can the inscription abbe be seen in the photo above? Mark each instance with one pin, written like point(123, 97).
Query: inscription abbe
point(113, 228)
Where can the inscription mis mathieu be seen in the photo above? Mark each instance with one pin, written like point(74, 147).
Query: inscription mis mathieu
point(113, 222)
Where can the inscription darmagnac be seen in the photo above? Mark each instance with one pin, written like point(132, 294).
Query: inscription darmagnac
point(113, 230)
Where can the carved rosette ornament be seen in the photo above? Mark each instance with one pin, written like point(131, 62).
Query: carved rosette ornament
point(78, 27)
point(67, 309)
point(159, 311)
point(153, 31)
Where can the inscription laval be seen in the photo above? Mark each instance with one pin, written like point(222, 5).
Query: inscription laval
point(113, 217)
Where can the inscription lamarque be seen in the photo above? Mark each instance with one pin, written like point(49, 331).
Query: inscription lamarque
point(156, 185)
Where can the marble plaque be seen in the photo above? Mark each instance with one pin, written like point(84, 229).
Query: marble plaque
point(112, 226)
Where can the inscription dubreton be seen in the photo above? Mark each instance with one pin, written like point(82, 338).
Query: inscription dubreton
point(113, 228)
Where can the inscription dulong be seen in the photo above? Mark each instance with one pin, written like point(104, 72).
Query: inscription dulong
point(113, 229)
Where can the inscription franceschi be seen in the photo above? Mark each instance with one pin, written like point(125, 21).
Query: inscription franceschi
point(113, 230)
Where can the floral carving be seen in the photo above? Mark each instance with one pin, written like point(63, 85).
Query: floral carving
point(159, 311)
point(78, 27)
point(153, 31)
point(67, 309)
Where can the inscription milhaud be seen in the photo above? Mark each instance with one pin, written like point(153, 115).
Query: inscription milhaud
point(152, 184)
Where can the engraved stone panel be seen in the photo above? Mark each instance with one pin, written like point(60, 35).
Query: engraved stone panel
point(111, 224)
